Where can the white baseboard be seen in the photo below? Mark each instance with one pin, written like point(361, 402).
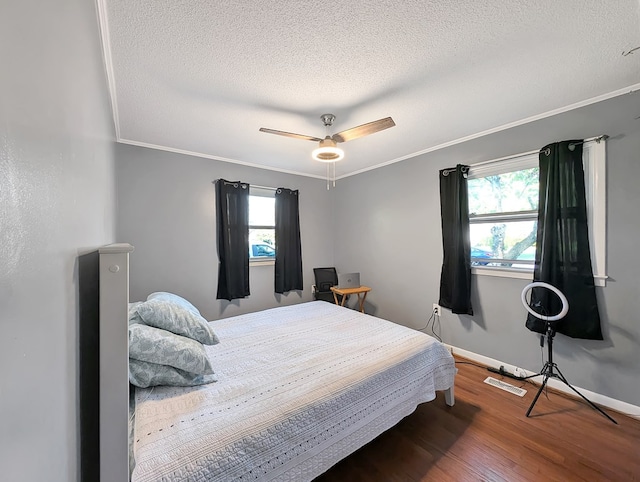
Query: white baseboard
point(603, 400)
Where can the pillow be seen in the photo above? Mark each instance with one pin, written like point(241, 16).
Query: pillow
point(144, 374)
point(164, 348)
point(134, 317)
point(176, 319)
point(172, 298)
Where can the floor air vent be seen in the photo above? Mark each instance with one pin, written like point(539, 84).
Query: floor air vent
point(505, 386)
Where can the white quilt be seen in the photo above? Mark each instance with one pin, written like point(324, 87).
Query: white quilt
point(299, 388)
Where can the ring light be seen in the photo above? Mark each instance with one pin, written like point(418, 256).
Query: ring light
point(541, 284)
point(550, 369)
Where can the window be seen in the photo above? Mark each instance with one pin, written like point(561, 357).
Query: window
point(503, 212)
point(262, 223)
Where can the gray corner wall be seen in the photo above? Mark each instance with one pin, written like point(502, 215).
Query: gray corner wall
point(166, 209)
point(56, 202)
point(390, 231)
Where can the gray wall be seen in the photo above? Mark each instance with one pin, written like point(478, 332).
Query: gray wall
point(166, 209)
point(395, 242)
point(56, 202)
point(389, 231)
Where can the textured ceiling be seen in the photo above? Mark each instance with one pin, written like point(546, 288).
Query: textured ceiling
point(202, 77)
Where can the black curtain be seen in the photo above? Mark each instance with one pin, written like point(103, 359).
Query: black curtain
point(563, 258)
point(455, 279)
point(288, 269)
point(232, 227)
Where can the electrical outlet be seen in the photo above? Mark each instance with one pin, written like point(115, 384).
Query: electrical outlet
point(436, 309)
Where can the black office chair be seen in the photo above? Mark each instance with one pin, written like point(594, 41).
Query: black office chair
point(325, 279)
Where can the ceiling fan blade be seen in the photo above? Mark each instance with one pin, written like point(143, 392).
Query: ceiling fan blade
point(290, 134)
point(364, 130)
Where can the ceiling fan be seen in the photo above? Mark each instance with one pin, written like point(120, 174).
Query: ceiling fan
point(328, 151)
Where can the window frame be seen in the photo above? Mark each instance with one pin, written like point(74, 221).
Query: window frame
point(261, 192)
point(501, 166)
point(594, 163)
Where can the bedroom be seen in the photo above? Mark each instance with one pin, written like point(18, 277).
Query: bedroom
point(63, 172)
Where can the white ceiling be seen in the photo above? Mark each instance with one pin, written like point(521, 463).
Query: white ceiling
point(202, 77)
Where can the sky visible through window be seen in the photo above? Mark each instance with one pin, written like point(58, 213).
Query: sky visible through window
point(262, 211)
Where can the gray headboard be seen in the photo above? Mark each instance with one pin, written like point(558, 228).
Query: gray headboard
point(114, 362)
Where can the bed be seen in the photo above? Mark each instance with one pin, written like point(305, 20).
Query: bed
point(298, 389)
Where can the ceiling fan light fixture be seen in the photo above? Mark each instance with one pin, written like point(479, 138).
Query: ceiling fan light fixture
point(328, 154)
point(328, 151)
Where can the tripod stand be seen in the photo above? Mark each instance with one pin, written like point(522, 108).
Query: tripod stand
point(548, 372)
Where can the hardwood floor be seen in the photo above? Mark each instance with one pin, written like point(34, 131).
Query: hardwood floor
point(486, 437)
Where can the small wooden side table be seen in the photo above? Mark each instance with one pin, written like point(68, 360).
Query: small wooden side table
point(361, 291)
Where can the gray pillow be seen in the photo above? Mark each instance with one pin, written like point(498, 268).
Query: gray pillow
point(144, 374)
point(176, 319)
point(173, 298)
point(134, 317)
point(154, 345)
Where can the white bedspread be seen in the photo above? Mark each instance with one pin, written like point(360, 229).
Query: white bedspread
point(299, 388)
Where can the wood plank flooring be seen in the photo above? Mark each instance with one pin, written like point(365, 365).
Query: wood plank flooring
point(486, 437)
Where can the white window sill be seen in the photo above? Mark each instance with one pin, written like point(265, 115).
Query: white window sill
point(503, 272)
point(262, 262)
point(521, 274)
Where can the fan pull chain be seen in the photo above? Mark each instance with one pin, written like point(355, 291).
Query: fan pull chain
point(327, 176)
point(334, 174)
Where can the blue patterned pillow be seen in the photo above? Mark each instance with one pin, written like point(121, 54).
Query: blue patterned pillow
point(144, 374)
point(173, 298)
point(176, 319)
point(154, 345)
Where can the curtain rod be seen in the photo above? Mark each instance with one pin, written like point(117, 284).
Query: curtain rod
point(603, 137)
point(268, 188)
point(264, 187)
point(597, 139)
